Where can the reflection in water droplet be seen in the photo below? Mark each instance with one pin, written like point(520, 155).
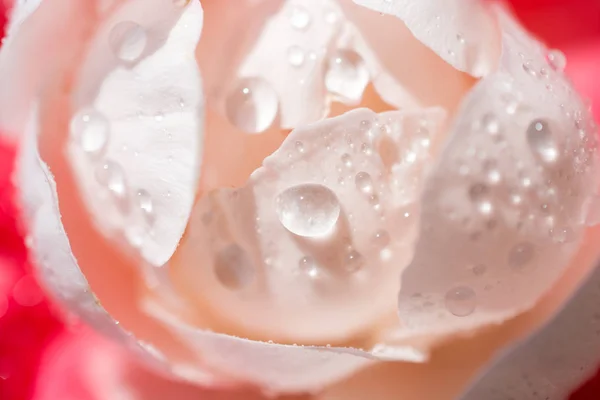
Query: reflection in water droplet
point(90, 130)
point(252, 105)
point(128, 41)
point(111, 175)
point(557, 60)
point(300, 18)
point(520, 255)
point(309, 210)
point(295, 56)
point(364, 183)
point(233, 267)
point(461, 301)
point(539, 137)
point(347, 75)
point(354, 261)
point(308, 266)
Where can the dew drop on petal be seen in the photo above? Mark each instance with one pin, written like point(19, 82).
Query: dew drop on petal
point(461, 301)
point(233, 267)
point(128, 40)
point(557, 60)
point(540, 139)
point(252, 105)
point(295, 56)
point(354, 261)
point(364, 183)
point(491, 125)
point(145, 203)
point(347, 75)
point(479, 195)
point(347, 160)
point(520, 255)
point(308, 266)
point(381, 239)
point(299, 147)
point(90, 129)
point(528, 67)
point(309, 210)
point(300, 18)
point(111, 175)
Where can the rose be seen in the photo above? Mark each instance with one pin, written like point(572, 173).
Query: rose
point(398, 344)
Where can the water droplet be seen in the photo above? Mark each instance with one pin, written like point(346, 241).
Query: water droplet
point(528, 67)
point(520, 255)
point(308, 266)
point(309, 210)
point(347, 74)
point(331, 17)
point(91, 131)
point(347, 160)
point(128, 40)
point(233, 267)
point(354, 261)
point(145, 203)
point(295, 56)
point(461, 301)
point(491, 125)
point(539, 136)
point(252, 106)
point(299, 147)
point(557, 60)
point(479, 269)
point(111, 175)
point(300, 18)
point(381, 239)
point(364, 183)
point(460, 39)
point(479, 195)
point(491, 171)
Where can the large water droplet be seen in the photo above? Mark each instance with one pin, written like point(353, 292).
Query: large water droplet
point(128, 40)
point(300, 18)
point(520, 255)
point(364, 183)
point(539, 137)
point(295, 56)
point(252, 105)
point(233, 267)
point(347, 75)
point(91, 131)
point(461, 301)
point(309, 210)
point(557, 60)
point(111, 175)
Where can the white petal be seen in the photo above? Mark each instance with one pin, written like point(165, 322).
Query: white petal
point(503, 210)
point(143, 184)
point(462, 32)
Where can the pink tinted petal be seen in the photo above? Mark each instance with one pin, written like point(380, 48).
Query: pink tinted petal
point(304, 281)
point(462, 32)
point(503, 210)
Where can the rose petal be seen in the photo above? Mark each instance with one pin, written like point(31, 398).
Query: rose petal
point(462, 32)
point(503, 209)
point(151, 112)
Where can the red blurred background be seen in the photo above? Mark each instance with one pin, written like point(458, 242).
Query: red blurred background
point(36, 347)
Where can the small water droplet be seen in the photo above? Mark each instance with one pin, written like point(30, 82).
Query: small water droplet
point(233, 267)
point(461, 301)
point(309, 210)
point(557, 60)
point(299, 147)
point(145, 203)
point(252, 105)
point(364, 183)
point(90, 129)
point(539, 136)
point(528, 67)
point(111, 175)
point(520, 255)
point(354, 261)
point(381, 239)
point(460, 39)
point(300, 18)
point(479, 269)
point(128, 40)
point(295, 56)
point(347, 160)
point(491, 171)
point(308, 266)
point(347, 74)
point(479, 195)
